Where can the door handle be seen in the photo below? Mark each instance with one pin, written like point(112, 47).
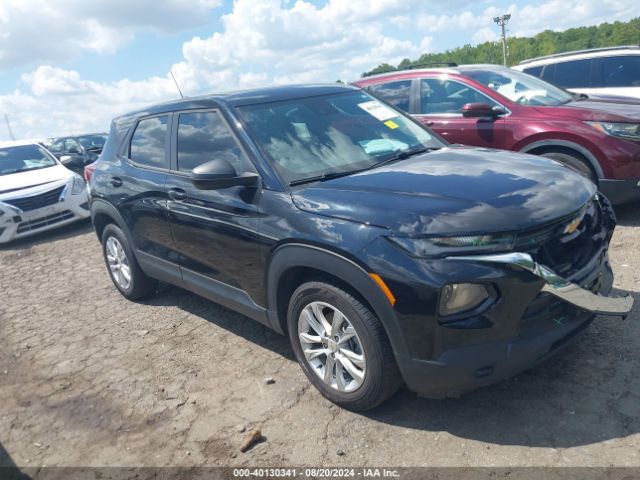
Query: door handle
point(177, 194)
point(429, 123)
point(115, 182)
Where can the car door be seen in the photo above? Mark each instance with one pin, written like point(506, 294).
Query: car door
point(136, 185)
point(214, 231)
point(440, 103)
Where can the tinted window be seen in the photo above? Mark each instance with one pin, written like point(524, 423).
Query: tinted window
point(204, 136)
point(57, 147)
point(573, 74)
point(397, 94)
point(148, 142)
point(535, 71)
point(439, 96)
point(620, 71)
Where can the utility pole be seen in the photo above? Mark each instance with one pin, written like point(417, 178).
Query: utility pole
point(6, 119)
point(502, 22)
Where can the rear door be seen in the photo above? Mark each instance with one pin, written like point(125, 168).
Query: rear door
point(214, 230)
point(617, 75)
point(440, 102)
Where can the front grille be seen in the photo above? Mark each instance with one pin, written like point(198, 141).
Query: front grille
point(44, 221)
point(34, 202)
point(566, 253)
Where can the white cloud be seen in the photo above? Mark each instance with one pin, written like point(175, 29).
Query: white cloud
point(261, 42)
point(45, 31)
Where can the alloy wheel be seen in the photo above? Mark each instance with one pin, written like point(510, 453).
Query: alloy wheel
point(118, 263)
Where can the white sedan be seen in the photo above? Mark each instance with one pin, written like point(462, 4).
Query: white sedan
point(37, 192)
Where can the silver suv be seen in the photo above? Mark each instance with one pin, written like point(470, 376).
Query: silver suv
point(600, 71)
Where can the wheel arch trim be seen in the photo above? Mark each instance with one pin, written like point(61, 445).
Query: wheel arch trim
point(593, 161)
point(296, 255)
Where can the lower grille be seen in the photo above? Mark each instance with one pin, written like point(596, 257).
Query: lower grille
point(37, 201)
point(44, 221)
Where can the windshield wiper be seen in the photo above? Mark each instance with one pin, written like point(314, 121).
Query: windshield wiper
point(331, 175)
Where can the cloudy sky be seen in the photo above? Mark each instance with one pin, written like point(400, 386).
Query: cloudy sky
point(69, 66)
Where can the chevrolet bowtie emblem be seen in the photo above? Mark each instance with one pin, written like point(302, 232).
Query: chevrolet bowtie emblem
point(573, 226)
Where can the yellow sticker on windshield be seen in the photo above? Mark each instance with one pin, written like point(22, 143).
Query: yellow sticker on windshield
point(391, 124)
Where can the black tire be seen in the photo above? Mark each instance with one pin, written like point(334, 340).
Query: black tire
point(575, 161)
point(141, 285)
point(381, 379)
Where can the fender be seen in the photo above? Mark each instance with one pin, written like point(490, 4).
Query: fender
point(593, 161)
point(293, 255)
point(102, 206)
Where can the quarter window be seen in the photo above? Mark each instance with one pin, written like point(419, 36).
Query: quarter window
point(397, 94)
point(204, 136)
point(148, 142)
point(438, 96)
point(535, 71)
point(620, 71)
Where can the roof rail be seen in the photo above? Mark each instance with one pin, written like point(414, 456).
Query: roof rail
point(431, 64)
point(577, 52)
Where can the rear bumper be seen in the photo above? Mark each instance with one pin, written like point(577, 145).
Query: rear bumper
point(620, 191)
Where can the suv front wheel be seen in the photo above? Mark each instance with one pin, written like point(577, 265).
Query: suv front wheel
point(341, 346)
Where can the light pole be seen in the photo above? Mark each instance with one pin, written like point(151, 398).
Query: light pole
point(502, 21)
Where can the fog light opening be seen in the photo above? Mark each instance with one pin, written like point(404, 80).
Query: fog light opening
point(460, 297)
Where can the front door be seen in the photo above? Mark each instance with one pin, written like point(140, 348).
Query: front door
point(440, 108)
point(213, 230)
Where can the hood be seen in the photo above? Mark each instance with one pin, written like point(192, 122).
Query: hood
point(621, 109)
point(452, 191)
point(33, 181)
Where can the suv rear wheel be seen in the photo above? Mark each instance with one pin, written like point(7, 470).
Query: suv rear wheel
point(122, 266)
point(341, 346)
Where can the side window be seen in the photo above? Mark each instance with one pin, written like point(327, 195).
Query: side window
point(620, 71)
point(57, 147)
point(204, 136)
point(535, 71)
point(148, 142)
point(438, 96)
point(574, 74)
point(397, 93)
point(70, 143)
point(548, 73)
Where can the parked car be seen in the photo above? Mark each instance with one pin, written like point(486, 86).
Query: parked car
point(598, 71)
point(37, 193)
point(385, 254)
point(78, 151)
point(494, 106)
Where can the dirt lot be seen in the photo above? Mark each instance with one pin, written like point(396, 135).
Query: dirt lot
point(89, 378)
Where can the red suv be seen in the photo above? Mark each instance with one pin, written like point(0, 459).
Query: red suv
point(494, 106)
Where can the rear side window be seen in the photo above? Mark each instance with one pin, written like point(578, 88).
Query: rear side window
point(397, 93)
point(148, 142)
point(204, 136)
point(535, 71)
point(620, 71)
point(574, 74)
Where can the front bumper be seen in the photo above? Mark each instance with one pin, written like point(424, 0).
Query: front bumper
point(467, 367)
point(15, 223)
point(620, 191)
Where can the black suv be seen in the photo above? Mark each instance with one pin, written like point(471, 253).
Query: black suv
point(385, 254)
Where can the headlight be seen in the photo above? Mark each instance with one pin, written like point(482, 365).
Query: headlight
point(629, 131)
point(460, 297)
point(440, 246)
point(78, 185)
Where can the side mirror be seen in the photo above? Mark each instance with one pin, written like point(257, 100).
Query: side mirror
point(476, 110)
point(66, 159)
point(220, 173)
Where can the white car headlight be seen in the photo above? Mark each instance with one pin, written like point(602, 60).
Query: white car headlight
point(629, 131)
point(78, 185)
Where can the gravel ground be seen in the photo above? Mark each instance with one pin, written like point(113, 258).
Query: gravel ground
point(88, 378)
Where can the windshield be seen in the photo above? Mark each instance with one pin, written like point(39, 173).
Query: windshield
point(23, 158)
point(520, 87)
point(92, 142)
point(332, 134)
